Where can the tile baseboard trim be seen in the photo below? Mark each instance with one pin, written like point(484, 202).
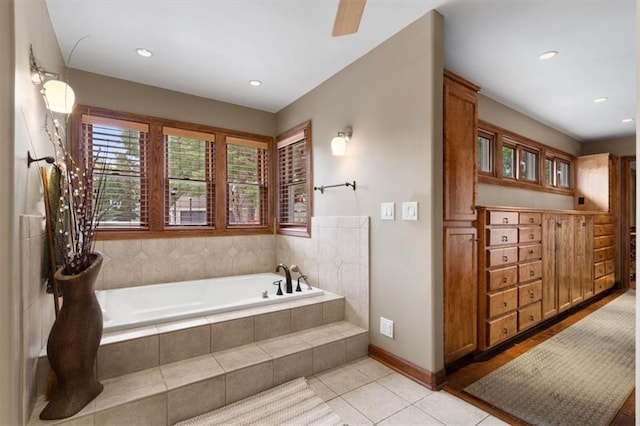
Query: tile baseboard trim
point(434, 381)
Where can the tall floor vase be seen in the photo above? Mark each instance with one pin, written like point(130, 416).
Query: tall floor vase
point(73, 344)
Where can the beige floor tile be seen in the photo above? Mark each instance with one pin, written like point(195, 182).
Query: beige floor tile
point(492, 421)
point(123, 389)
point(371, 368)
point(195, 399)
point(404, 387)
point(450, 410)
point(343, 380)
point(316, 336)
point(180, 373)
point(241, 357)
point(145, 412)
point(329, 356)
point(410, 416)
point(82, 418)
point(375, 401)
point(321, 389)
point(357, 346)
point(347, 413)
point(283, 345)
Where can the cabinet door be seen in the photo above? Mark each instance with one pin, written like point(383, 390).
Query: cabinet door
point(460, 292)
point(460, 146)
point(564, 260)
point(583, 259)
point(549, 295)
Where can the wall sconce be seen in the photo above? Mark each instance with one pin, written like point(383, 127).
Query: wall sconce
point(339, 143)
point(58, 95)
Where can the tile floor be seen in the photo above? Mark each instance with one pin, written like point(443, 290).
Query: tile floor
point(365, 392)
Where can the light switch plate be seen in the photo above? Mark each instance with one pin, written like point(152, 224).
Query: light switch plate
point(410, 210)
point(386, 327)
point(387, 211)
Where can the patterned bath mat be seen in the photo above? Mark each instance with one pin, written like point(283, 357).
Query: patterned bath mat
point(292, 403)
point(581, 376)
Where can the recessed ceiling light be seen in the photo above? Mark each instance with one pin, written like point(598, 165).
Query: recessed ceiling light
point(145, 53)
point(548, 55)
point(627, 120)
point(599, 100)
point(255, 83)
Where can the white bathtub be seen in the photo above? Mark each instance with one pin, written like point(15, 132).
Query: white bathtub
point(159, 303)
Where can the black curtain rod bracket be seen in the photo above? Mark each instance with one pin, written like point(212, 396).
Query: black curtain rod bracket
point(30, 159)
point(323, 187)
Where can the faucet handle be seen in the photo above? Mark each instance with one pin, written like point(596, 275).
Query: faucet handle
point(279, 293)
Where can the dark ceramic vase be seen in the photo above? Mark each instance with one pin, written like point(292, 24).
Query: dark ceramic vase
point(73, 343)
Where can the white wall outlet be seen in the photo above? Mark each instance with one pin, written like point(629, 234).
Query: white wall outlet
point(387, 211)
point(410, 210)
point(386, 327)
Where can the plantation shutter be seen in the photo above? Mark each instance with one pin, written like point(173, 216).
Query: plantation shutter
point(189, 177)
point(292, 180)
point(247, 182)
point(116, 153)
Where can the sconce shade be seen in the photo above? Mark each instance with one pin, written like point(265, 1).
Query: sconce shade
point(60, 96)
point(338, 146)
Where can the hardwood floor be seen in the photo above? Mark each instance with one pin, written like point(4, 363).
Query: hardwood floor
point(470, 370)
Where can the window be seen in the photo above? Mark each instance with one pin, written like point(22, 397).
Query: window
point(189, 174)
point(294, 181)
point(521, 162)
point(485, 153)
point(116, 152)
point(163, 178)
point(247, 176)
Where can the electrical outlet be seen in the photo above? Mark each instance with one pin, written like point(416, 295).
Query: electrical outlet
point(386, 327)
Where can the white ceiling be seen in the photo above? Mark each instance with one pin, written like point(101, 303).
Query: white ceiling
point(212, 48)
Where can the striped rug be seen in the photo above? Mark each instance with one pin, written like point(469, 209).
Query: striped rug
point(581, 376)
point(292, 403)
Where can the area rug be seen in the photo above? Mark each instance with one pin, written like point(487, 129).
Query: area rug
point(581, 376)
point(292, 403)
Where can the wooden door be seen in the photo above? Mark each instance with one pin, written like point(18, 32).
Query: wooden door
point(564, 260)
point(583, 255)
point(549, 295)
point(460, 292)
point(460, 146)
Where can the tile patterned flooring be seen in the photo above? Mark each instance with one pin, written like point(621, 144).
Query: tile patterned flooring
point(365, 392)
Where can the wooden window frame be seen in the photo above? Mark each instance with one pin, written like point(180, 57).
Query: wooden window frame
point(156, 175)
point(502, 137)
point(294, 135)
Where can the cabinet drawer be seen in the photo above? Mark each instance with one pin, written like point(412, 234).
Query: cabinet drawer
point(530, 271)
point(530, 252)
point(600, 255)
point(529, 293)
point(605, 229)
point(530, 218)
point(501, 278)
point(529, 235)
point(502, 218)
point(502, 302)
point(502, 256)
point(529, 315)
point(501, 328)
point(609, 266)
point(600, 242)
point(599, 270)
point(603, 218)
point(609, 280)
point(501, 236)
point(600, 285)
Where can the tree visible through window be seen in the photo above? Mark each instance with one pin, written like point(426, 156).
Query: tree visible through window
point(247, 171)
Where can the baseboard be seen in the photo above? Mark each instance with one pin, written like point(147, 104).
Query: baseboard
point(433, 381)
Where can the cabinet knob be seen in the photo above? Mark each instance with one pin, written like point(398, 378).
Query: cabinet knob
point(505, 220)
point(505, 238)
point(531, 236)
point(504, 330)
point(531, 294)
point(530, 317)
point(532, 273)
point(530, 220)
point(504, 280)
point(530, 251)
point(505, 304)
point(505, 259)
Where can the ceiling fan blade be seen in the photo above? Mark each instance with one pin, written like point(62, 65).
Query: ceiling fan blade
point(348, 17)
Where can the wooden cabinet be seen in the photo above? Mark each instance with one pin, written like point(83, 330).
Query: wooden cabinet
point(596, 183)
point(459, 234)
point(460, 146)
point(510, 286)
point(604, 253)
point(583, 230)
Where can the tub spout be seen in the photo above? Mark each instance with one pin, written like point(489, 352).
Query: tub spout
point(289, 285)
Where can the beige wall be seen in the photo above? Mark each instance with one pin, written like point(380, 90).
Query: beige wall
point(494, 195)
point(106, 92)
point(392, 97)
point(9, 384)
point(619, 146)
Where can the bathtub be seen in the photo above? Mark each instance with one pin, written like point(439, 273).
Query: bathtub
point(159, 303)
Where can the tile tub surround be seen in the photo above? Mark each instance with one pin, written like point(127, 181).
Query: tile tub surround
point(336, 258)
point(129, 263)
